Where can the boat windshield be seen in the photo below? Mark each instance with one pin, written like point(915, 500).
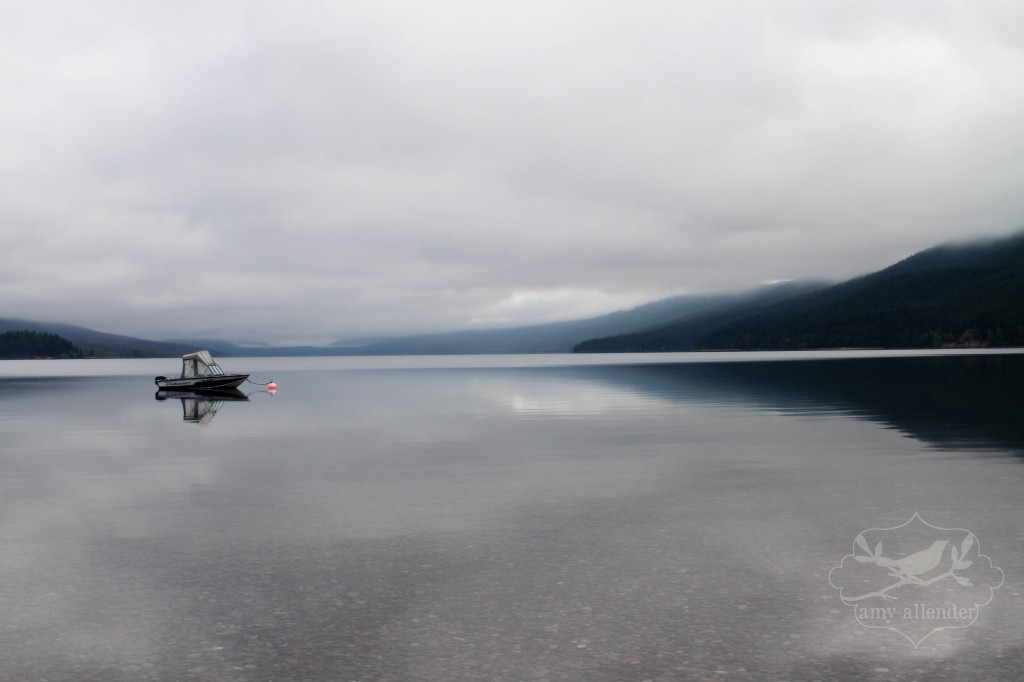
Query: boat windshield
point(195, 365)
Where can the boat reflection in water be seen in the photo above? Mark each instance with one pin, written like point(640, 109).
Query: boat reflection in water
point(200, 407)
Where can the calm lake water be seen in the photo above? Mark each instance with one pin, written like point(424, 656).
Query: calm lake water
point(522, 518)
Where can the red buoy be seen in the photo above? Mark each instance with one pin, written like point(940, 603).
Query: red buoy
point(272, 387)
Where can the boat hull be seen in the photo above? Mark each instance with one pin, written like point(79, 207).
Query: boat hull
point(208, 383)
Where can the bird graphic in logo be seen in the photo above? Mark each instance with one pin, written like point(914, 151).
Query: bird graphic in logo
point(915, 568)
point(924, 580)
point(909, 568)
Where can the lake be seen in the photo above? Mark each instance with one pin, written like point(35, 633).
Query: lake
point(597, 518)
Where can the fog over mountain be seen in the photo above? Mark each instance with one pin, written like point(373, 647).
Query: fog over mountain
point(306, 172)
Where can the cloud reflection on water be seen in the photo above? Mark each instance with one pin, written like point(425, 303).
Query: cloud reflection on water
point(681, 516)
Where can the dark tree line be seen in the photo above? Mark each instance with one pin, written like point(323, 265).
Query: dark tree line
point(26, 345)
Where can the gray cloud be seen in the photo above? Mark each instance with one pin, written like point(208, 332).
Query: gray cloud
point(307, 172)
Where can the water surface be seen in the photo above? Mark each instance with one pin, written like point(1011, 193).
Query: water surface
point(500, 519)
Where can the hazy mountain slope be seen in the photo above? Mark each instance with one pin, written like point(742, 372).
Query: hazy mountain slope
point(222, 348)
point(215, 346)
point(556, 337)
point(99, 344)
point(967, 294)
point(949, 295)
point(684, 332)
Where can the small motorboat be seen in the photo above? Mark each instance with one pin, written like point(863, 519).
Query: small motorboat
point(199, 371)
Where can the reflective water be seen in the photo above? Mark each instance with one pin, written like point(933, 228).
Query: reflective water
point(474, 518)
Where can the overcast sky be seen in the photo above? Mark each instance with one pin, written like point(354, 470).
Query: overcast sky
point(308, 171)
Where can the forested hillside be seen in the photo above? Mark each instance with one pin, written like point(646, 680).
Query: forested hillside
point(948, 296)
point(23, 345)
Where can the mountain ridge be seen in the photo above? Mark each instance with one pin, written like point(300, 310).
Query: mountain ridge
point(561, 337)
point(963, 294)
point(97, 344)
point(950, 295)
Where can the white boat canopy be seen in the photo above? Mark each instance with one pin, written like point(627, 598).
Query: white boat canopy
point(199, 364)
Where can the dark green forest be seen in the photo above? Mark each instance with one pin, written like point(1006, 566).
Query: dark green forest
point(950, 296)
point(26, 345)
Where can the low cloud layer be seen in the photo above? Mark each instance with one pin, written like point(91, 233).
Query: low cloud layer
point(307, 172)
